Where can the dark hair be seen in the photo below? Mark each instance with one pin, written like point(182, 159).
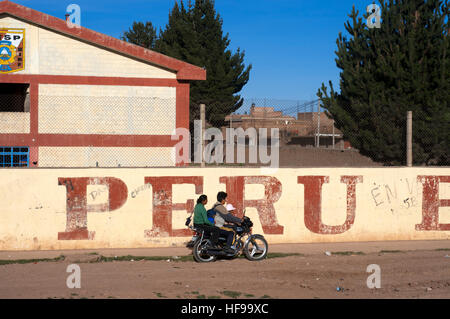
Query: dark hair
point(201, 199)
point(221, 196)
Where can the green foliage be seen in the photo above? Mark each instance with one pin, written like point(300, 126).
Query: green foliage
point(402, 66)
point(141, 34)
point(194, 34)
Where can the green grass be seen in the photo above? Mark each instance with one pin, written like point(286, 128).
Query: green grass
point(30, 261)
point(201, 297)
point(231, 294)
point(249, 295)
point(101, 258)
point(265, 297)
point(213, 297)
point(443, 249)
point(281, 255)
point(139, 258)
point(347, 253)
point(391, 251)
point(159, 295)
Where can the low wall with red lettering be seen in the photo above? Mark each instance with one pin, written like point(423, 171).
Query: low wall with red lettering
point(128, 208)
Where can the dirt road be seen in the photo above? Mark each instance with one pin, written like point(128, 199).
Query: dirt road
point(409, 269)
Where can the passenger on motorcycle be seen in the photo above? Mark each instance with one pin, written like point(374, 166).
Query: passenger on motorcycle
point(201, 220)
point(223, 218)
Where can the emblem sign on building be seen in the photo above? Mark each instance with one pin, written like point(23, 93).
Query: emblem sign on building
point(12, 50)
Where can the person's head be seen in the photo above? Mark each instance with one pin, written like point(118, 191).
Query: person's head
point(203, 199)
point(221, 197)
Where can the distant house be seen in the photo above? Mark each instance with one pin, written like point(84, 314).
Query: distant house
point(303, 128)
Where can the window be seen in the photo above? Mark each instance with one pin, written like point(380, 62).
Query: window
point(14, 156)
point(14, 97)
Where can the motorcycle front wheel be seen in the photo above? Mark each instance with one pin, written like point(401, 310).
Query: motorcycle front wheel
point(256, 248)
point(199, 255)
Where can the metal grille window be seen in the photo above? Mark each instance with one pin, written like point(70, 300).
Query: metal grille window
point(14, 156)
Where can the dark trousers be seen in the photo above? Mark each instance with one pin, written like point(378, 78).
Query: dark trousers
point(229, 235)
point(213, 230)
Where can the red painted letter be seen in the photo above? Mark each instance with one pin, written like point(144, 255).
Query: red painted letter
point(163, 206)
point(431, 203)
point(77, 208)
point(235, 188)
point(313, 203)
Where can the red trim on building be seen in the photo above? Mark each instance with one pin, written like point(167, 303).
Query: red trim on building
point(85, 140)
point(185, 71)
point(85, 80)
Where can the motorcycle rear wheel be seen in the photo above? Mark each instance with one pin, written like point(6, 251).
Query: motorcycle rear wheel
point(199, 256)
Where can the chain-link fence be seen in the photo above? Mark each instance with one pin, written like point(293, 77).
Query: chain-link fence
point(137, 130)
point(298, 122)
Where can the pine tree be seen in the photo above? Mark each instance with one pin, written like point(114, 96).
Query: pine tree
point(194, 34)
point(141, 34)
point(402, 66)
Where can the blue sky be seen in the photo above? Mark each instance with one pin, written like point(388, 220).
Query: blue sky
point(290, 43)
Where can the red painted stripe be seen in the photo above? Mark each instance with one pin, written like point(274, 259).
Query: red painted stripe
point(86, 80)
point(79, 140)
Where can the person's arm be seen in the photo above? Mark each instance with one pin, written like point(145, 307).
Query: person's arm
point(230, 218)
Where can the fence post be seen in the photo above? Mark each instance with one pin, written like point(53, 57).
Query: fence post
point(202, 119)
point(409, 139)
point(318, 123)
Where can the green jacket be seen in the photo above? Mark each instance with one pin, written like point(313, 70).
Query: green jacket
point(200, 216)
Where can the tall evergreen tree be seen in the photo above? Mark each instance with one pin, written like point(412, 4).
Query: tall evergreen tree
point(141, 34)
point(387, 71)
point(194, 34)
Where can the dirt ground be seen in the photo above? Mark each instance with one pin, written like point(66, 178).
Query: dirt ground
point(409, 269)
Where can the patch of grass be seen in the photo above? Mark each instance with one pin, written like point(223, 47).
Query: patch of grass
point(281, 255)
point(159, 295)
point(93, 253)
point(213, 297)
point(347, 253)
point(249, 295)
point(31, 261)
point(443, 249)
point(231, 294)
point(201, 297)
point(74, 294)
point(265, 297)
point(194, 292)
point(139, 258)
point(391, 251)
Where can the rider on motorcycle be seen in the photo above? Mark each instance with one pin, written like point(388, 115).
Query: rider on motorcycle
point(224, 218)
point(201, 220)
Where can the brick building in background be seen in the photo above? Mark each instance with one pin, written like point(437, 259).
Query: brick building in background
point(72, 97)
point(302, 129)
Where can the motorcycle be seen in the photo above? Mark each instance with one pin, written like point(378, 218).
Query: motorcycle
point(254, 248)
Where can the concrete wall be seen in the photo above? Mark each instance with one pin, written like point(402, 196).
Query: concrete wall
point(14, 122)
point(106, 156)
point(50, 53)
point(101, 208)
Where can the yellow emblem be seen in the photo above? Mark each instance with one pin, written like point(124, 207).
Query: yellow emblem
point(8, 54)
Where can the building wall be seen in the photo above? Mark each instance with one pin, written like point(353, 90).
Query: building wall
point(101, 109)
point(90, 106)
point(128, 208)
point(106, 156)
point(50, 53)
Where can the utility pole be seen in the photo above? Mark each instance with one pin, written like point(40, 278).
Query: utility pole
point(409, 139)
point(202, 119)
